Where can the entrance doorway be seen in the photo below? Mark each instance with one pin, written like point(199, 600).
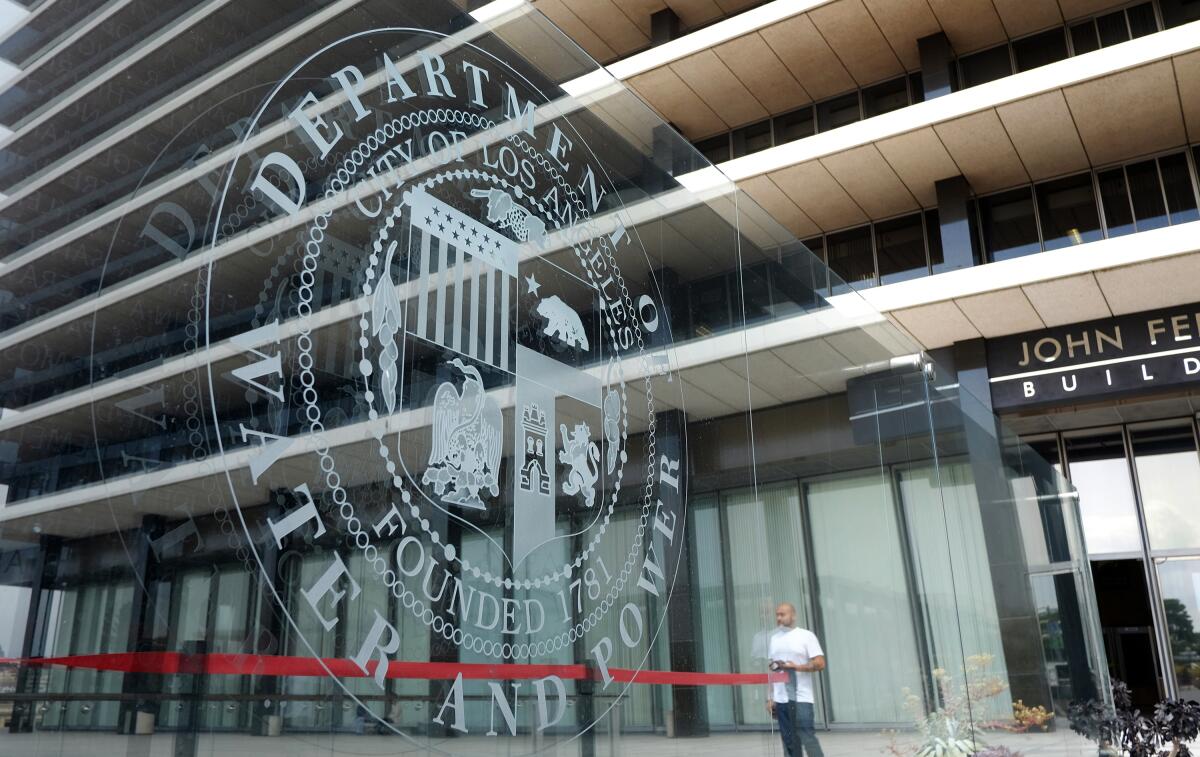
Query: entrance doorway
point(1128, 627)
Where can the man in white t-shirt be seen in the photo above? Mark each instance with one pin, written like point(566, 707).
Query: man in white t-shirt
point(796, 652)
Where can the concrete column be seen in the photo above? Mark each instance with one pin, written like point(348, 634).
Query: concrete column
point(664, 26)
point(267, 639)
point(142, 564)
point(1020, 630)
point(33, 643)
point(954, 224)
point(938, 70)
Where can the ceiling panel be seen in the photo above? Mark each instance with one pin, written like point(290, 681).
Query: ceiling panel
point(938, 325)
point(1069, 300)
point(1044, 134)
point(754, 63)
point(816, 361)
point(1025, 16)
point(981, 148)
point(677, 103)
point(772, 199)
point(609, 23)
point(701, 404)
point(816, 193)
point(695, 12)
point(806, 54)
point(1128, 113)
point(998, 313)
point(719, 88)
point(849, 29)
point(871, 182)
point(1077, 8)
point(1155, 284)
point(720, 380)
point(1187, 74)
point(581, 33)
point(970, 24)
point(775, 377)
point(904, 22)
point(920, 159)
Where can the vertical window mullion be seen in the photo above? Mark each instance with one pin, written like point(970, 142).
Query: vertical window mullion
point(1099, 202)
point(1037, 216)
point(1129, 197)
point(1162, 189)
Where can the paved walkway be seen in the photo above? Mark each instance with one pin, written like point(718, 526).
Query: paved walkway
point(840, 744)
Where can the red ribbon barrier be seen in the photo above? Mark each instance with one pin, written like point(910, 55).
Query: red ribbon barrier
point(166, 663)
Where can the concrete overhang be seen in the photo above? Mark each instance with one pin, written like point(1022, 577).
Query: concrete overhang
point(1129, 274)
point(1118, 103)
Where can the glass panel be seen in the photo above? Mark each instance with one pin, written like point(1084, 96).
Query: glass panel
point(850, 257)
point(795, 125)
point(751, 138)
point(1083, 37)
point(1180, 582)
point(1168, 472)
point(885, 97)
point(1146, 191)
point(715, 149)
point(985, 66)
point(713, 608)
point(1040, 49)
point(1100, 473)
point(863, 586)
point(838, 111)
point(1009, 225)
point(900, 244)
point(1113, 28)
point(1142, 20)
point(1067, 210)
point(1177, 183)
point(1118, 215)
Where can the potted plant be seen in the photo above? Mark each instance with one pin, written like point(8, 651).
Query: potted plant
point(1125, 732)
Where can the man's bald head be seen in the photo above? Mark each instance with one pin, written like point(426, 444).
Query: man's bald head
point(785, 614)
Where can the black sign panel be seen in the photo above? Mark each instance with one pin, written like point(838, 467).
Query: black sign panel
point(1131, 354)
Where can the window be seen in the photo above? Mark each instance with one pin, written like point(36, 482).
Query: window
point(901, 247)
point(710, 306)
point(985, 66)
point(795, 125)
point(1118, 214)
point(1100, 473)
point(1142, 20)
point(1169, 479)
point(1149, 210)
point(1040, 49)
point(885, 97)
point(752, 138)
point(851, 259)
point(1177, 186)
point(799, 265)
point(838, 111)
point(1083, 37)
point(1113, 28)
point(1009, 225)
point(716, 149)
point(1067, 209)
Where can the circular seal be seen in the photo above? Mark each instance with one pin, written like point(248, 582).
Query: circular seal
point(453, 382)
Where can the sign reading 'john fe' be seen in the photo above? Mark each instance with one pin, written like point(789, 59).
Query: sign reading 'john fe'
point(496, 355)
point(1124, 355)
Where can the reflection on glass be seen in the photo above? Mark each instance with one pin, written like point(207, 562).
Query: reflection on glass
point(1100, 474)
point(1169, 477)
point(851, 259)
point(863, 588)
point(901, 247)
point(1009, 224)
point(1067, 209)
point(1180, 582)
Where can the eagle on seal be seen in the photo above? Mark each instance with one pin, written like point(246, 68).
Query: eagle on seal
point(467, 441)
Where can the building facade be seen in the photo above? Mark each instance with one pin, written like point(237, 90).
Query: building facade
point(403, 378)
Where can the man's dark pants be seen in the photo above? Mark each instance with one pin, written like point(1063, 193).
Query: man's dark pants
point(797, 729)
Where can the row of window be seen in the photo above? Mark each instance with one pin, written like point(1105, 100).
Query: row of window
point(1111, 202)
point(977, 68)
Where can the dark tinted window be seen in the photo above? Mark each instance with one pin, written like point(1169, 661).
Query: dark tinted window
point(985, 66)
point(916, 86)
point(850, 257)
point(900, 245)
point(885, 97)
point(799, 265)
point(1040, 49)
point(1009, 227)
point(1067, 209)
point(837, 112)
point(1113, 28)
point(710, 306)
point(1177, 185)
point(1142, 20)
point(795, 125)
point(1083, 37)
point(1149, 212)
point(751, 138)
point(1118, 215)
point(715, 149)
